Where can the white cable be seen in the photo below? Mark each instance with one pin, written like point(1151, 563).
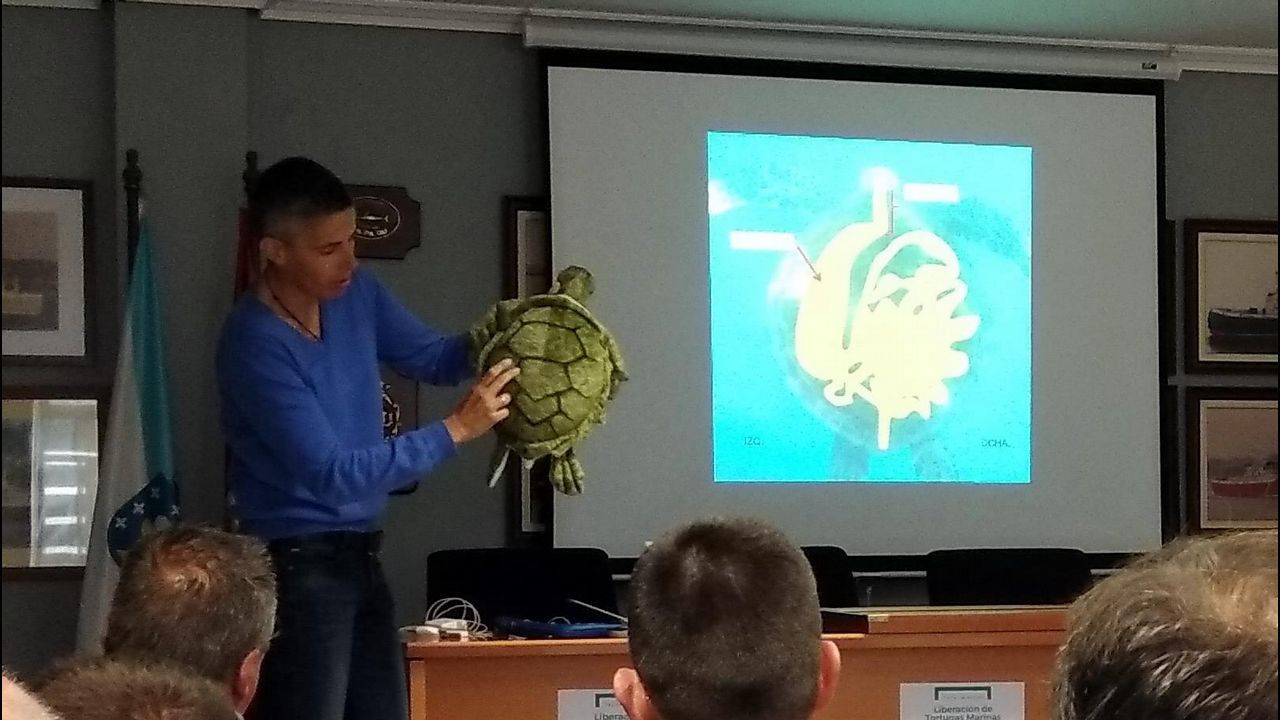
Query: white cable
point(457, 609)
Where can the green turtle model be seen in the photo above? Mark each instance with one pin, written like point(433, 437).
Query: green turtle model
point(570, 368)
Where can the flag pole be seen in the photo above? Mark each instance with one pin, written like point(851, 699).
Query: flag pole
point(130, 491)
point(250, 174)
point(246, 272)
point(132, 189)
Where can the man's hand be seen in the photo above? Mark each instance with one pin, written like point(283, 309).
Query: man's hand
point(484, 406)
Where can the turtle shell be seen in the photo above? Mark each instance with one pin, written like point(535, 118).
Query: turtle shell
point(565, 371)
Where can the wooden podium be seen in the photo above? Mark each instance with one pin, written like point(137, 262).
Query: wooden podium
point(519, 678)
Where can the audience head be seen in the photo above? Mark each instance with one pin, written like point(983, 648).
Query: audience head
point(17, 703)
point(724, 622)
point(106, 689)
point(199, 598)
point(1187, 633)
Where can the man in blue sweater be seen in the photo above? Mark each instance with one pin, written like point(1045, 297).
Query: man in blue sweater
point(298, 373)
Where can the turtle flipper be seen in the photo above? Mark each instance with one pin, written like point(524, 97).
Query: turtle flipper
point(498, 463)
point(619, 373)
point(480, 334)
point(567, 474)
point(497, 319)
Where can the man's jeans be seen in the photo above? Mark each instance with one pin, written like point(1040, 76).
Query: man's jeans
point(336, 654)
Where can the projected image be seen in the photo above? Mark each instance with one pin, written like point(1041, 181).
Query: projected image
point(870, 309)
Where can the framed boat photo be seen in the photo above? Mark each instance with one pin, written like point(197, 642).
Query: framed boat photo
point(48, 289)
point(1230, 291)
point(1231, 458)
point(399, 411)
point(527, 271)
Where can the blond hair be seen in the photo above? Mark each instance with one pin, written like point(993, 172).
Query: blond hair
point(1187, 633)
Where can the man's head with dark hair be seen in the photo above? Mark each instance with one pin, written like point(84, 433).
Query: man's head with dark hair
point(199, 598)
point(303, 216)
point(724, 622)
point(105, 689)
point(291, 190)
point(1187, 633)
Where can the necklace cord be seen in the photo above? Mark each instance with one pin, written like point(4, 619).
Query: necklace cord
point(301, 325)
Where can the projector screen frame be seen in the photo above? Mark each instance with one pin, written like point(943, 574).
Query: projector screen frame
point(1172, 486)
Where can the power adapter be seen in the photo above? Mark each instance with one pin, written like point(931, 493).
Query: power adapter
point(454, 624)
point(439, 633)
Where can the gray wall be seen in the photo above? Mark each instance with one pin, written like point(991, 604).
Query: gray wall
point(57, 121)
point(58, 109)
point(454, 117)
point(451, 116)
point(1220, 140)
point(181, 101)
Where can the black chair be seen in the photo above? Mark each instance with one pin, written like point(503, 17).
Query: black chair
point(830, 564)
point(1006, 576)
point(524, 583)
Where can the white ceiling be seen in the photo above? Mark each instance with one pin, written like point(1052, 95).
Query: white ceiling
point(1230, 23)
point(1219, 23)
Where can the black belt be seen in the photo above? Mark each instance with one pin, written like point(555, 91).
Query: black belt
point(370, 542)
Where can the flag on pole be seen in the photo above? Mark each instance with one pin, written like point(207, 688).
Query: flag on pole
point(248, 269)
point(136, 485)
point(248, 262)
point(248, 258)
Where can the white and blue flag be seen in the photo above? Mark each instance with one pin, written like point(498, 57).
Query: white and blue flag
point(136, 485)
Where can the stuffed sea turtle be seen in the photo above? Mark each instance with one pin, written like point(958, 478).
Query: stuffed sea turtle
point(570, 368)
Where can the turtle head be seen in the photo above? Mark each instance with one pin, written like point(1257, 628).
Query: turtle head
point(576, 282)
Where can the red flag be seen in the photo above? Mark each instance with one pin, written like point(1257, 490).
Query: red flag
point(247, 261)
point(247, 270)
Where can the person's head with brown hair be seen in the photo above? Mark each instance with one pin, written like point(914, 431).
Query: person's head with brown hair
point(724, 623)
point(1186, 633)
point(200, 598)
point(106, 689)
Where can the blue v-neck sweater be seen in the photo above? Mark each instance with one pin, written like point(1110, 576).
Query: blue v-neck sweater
point(303, 418)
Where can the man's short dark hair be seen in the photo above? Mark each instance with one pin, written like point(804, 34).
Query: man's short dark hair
point(1188, 633)
point(295, 188)
point(724, 622)
point(195, 597)
point(106, 689)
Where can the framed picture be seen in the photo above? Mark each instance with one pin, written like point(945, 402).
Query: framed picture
point(1230, 295)
point(399, 404)
point(1231, 463)
point(527, 246)
point(388, 221)
point(527, 271)
point(47, 256)
point(1166, 294)
point(51, 440)
point(399, 410)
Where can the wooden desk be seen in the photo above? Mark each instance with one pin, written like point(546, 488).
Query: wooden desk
point(519, 678)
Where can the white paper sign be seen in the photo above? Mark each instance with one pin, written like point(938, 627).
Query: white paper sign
point(588, 705)
point(961, 701)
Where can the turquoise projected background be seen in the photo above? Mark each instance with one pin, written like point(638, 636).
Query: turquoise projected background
point(870, 309)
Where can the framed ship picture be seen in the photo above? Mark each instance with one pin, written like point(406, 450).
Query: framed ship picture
point(399, 411)
point(48, 286)
point(527, 271)
point(1230, 311)
point(1231, 463)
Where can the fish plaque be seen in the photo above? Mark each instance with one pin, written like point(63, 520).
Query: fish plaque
point(388, 221)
